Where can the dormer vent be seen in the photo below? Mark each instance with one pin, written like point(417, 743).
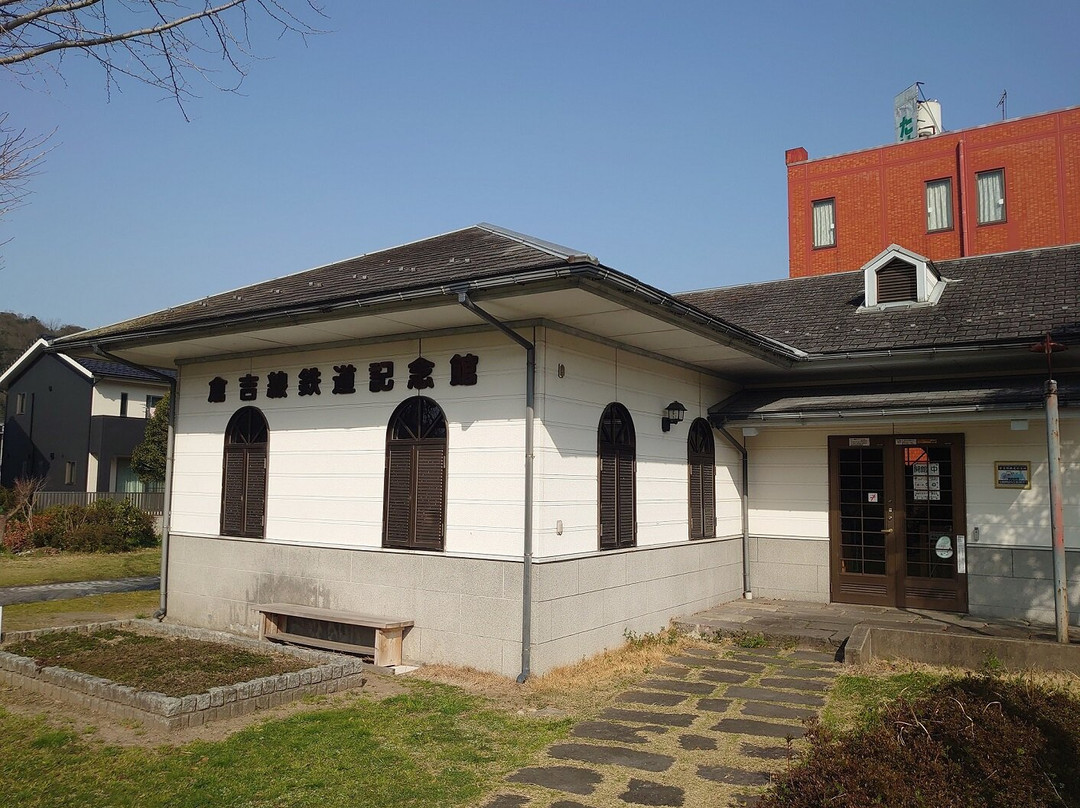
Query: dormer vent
point(899, 277)
point(896, 282)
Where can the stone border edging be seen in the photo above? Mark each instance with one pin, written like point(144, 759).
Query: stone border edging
point(961, 650)
point(329, 673)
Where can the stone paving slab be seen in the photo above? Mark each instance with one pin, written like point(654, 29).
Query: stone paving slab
point(768, 694)
point(725, 677)
point(738, 665)
point(807, 673)
point(607, 731)
point(766, 752)
point(649, 717)
point(762, 729)
point(732, 776)
point(568, 804)
point(612, 756)
point(696, 742)
point(796, 684)
point(651, 698)
point(10, 595)
point(507, 801)
point(813, 656)
point(672, 671)
point(692, 688)
point(714, 705)
point(644, 792)
point(574, 779)
point(764, 709)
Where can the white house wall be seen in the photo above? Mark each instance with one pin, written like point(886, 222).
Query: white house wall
point(323, 544)
point(1009, 571)
point(107, 393)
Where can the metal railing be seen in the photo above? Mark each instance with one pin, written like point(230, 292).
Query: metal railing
point(153, 502)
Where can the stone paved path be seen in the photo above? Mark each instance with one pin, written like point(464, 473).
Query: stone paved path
point(707, 728)
point(75, 589)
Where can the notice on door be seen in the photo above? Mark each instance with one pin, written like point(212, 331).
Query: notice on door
point(926, 481)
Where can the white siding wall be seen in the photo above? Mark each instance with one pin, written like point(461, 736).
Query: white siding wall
point(327, 452)
point(106, 397)
point(570, 410)
point(789, 479)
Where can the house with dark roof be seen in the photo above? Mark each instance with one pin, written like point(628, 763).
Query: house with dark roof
point(522, 453)
point(74, 421)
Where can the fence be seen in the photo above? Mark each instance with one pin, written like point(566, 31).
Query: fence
point(153, 502)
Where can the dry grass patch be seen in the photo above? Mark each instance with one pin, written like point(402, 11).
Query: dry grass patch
point(577, 690)
point(49, 566)
point(80, 611)
point(175, 666)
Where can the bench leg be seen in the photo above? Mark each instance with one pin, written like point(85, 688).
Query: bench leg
point(388, 647)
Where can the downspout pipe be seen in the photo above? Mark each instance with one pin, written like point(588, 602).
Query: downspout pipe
point(748, 592)
point(166, 509)
point(530, 409)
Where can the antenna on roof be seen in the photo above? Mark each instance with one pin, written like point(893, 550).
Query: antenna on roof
point(1004, 103)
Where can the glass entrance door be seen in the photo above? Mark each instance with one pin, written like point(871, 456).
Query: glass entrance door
point(897, 521)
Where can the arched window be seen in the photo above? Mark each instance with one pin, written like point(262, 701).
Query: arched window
point(414, 505)
point(701, 460)
point(616, 451)
point(243, 486)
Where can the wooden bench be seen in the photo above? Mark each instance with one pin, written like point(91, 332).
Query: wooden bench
point(276, 619)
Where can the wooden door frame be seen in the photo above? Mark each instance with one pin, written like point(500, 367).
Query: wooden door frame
point(896, 578)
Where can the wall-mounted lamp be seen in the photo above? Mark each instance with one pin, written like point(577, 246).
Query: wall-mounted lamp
point(673, 414)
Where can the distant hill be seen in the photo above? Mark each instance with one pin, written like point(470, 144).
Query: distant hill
point(18, 332)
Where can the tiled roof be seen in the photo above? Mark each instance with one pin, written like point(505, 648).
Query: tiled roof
point(989, 299)
point(882, 399)
point(117, 370)
point(470, 254)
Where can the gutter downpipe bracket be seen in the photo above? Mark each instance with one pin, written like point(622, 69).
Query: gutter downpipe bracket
point(166, 511)
point(530, 409)
point(748, 592)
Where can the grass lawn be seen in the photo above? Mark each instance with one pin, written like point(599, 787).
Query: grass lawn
point(77, 611)
point(42, 568)
point(432, 746)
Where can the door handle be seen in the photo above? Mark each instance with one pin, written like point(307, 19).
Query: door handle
point(887, 530)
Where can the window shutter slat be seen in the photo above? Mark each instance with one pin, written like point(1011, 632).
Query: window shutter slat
point(608, 499)
point(896, 282)
point(255, 497)
point(708, 499)
point(232, 499)
point(696, 515)
point(625, 498)
point(397, 521)
point(430, 495)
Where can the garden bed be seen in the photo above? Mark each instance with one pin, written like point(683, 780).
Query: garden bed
point(185, 677)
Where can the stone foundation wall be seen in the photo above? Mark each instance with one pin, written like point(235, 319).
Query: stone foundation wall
point(1018, 583)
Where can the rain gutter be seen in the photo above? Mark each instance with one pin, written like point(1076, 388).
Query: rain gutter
point(748, 592)
point(527, 528)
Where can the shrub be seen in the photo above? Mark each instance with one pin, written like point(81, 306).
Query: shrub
point(7, 500)
point(105, 526)
point(970, 742)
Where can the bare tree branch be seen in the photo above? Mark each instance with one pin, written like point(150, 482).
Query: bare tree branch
point(20, 156)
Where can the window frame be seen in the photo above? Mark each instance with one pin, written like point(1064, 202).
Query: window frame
point(949, 196)
point(424, 444)
point(704, 462)
point(151, 402)
point(20, 403)
point(1004, 199)
point(69, 472)
point(123, 405)
point(620, 454)
point(814, 205)
point(246, 450)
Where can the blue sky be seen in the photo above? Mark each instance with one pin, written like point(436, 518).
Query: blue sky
point(650, 134)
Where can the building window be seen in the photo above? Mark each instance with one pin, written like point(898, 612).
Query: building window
point(151, 402)
point(69, 472)
point(243, 485)
point(701, 460)
point(825, 223)
point(20, 403)
point(617, 455)
point(123, 404)
point(990, 189)
point(939, 205)
point(414, 499)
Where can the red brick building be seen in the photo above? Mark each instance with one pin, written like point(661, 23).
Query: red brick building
point(1005, 186)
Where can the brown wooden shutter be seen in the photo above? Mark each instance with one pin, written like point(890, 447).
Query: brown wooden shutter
point(696, 515)
point(232, 497)
point(255, 493)
point(430, 495)
point(708, 499)
point(896, 282)
point(609, 531)
point(625, 473)
point(397, 521)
